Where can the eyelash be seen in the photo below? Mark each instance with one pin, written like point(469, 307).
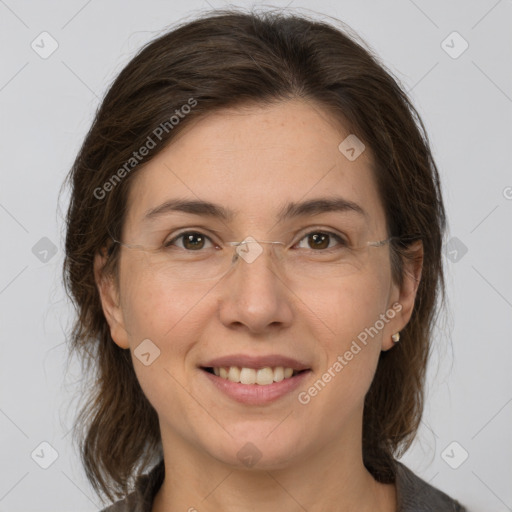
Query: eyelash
point(342, 242)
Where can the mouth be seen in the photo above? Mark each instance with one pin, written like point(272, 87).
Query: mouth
point(259, 376)
point(255, 386)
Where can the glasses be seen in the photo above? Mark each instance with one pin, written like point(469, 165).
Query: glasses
point(192, 256)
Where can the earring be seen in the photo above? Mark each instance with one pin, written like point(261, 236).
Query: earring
point(396, 337)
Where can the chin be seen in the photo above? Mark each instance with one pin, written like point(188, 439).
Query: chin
point(256, 452)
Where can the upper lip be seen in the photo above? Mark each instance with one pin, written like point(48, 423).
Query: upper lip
point(256, 362)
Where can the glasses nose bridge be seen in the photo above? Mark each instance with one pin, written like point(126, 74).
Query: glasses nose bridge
point(251, 249)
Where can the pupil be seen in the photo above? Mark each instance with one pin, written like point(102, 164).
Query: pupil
point(317, 238)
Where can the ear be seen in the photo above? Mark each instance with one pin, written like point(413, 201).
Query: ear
point(402, 297)
point(110, 303)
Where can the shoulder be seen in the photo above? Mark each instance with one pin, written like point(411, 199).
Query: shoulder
point(416, 495)
point(141, 499)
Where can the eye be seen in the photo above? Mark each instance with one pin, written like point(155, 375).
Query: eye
point(192, 240)
point(195, 240)
point(321, 239)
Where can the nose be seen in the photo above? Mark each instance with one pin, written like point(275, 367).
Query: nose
point(254, 294)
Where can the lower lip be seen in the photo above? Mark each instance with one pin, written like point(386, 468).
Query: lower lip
point(255, 394)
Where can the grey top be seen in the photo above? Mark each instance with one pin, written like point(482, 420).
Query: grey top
point(413, 493)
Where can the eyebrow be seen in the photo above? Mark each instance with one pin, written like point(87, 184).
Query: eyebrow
point(291, 210)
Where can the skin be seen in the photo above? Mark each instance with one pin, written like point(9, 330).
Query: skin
point(254, 160)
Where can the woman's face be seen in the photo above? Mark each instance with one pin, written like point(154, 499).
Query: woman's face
point(254, 162)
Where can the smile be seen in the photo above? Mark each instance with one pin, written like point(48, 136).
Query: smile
point(262, 376)
point(253, 386)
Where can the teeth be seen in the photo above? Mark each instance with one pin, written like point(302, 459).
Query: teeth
point(234, 374)
point(263, 376)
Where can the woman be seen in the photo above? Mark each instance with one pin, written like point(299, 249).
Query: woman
point(254, 247)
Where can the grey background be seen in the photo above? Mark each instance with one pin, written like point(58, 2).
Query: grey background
point(466, 103)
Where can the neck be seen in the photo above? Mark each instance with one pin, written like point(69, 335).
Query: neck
point(329, 474)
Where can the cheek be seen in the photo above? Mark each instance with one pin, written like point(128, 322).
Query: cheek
point(351, 329)
point(153, 307)
point(348, 364)
point(162, 313)
point(350, 306)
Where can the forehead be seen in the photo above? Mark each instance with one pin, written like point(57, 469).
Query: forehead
point(256, 160)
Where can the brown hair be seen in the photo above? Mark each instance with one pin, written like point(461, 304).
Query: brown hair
point(224, 59)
